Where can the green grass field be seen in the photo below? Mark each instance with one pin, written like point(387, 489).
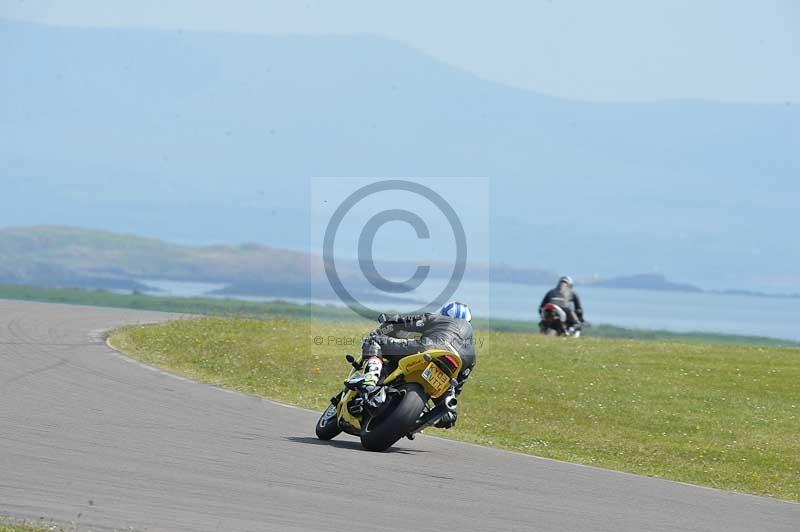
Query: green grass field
point(726, 416)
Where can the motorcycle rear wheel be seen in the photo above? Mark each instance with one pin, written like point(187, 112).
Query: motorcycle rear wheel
point(380, 433)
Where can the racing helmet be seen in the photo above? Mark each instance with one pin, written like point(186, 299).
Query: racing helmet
point(566, 279)
point(456, 309)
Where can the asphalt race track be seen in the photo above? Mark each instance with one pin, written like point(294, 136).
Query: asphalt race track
point(90, 437)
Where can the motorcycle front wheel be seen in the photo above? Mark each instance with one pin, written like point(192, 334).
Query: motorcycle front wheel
point(327, 424)
point(380, 433)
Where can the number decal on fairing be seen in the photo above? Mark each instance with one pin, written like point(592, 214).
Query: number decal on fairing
point(329, 414)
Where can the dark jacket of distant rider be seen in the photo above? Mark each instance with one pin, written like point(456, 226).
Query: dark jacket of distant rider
point(565, 296)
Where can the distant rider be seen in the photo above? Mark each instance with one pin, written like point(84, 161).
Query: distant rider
point(565, 297)
point(448, 329)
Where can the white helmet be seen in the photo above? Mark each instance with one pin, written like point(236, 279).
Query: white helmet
point(457, 310)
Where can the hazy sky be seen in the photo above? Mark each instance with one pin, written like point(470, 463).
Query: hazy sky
point(611, 50)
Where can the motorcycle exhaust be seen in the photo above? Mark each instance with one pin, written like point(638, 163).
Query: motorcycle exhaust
point(431, 417)
point(435, 414)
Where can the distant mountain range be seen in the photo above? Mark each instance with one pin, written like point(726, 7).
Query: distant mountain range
point(658, 282)
point(198, 137)
point(91, 259)
point(86, 258)
point(645, 282)
point(67, 256)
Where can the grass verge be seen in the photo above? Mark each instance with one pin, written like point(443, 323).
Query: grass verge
point(718, 415)
point(7, 525)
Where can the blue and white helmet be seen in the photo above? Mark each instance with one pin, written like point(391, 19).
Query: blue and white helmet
point(457, 310)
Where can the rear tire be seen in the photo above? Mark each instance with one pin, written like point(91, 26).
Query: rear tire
point(327, 424)
point(378, 434)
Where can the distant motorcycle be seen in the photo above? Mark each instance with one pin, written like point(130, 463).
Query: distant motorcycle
point(554, 322)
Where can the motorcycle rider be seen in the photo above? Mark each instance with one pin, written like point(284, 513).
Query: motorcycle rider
point(449, 329)
point(565, 297)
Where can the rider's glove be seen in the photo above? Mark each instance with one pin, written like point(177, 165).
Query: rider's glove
point(374, 396)
point(447, 421)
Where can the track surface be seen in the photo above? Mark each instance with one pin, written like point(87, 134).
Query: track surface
point(88, 436)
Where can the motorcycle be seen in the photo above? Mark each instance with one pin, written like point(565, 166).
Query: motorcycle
point(419, 391)
point(554, 322)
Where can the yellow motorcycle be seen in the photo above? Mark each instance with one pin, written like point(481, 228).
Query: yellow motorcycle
point(419, 390)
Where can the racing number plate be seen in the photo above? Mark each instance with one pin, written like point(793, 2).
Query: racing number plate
point(437, 378)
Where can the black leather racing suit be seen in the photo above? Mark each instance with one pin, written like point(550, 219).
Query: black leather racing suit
point(437, 332)
point(566, 298)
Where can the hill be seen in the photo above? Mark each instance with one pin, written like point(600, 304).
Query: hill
point(67, 256)
point(646, 282)
point(59, 256)
point(200, 137)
